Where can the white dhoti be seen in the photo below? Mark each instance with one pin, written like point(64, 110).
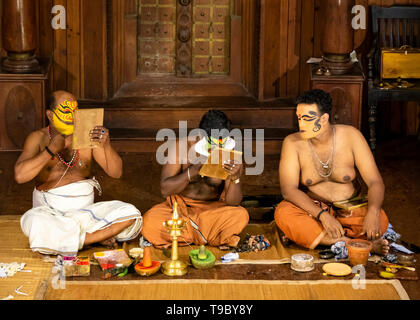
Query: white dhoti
point(61, 217)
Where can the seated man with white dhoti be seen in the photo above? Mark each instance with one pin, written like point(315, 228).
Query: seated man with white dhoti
point(64, 217)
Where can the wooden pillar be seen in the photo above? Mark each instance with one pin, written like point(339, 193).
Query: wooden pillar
point(338, 36)
point(19, 36)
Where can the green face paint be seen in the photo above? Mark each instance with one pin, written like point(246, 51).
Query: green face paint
point(213, 142)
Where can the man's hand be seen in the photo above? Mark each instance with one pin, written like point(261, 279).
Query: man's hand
point(57, 143)
point(372, 225)
point(101, 135)
point(194, 170)
point(235, 169)
point(332, 226)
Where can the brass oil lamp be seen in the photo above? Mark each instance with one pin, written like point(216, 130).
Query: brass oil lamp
point(174, 267)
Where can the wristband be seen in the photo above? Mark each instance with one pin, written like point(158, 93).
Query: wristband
point(320, 213)
point(50, 152)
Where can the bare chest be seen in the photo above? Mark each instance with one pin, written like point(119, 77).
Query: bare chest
point(73, 163)
point(326, 165)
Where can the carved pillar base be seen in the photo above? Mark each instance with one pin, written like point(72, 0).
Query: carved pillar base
point(338, 64)
point(20, 63)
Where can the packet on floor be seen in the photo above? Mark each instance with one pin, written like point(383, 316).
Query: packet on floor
point(76, 266)
point(112, 262)
point(230, 257)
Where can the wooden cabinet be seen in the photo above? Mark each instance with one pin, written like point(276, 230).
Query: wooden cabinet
point(22, 106)
point(346, 92)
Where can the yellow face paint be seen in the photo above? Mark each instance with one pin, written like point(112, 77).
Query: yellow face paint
point(63, 117)
point(309, 121)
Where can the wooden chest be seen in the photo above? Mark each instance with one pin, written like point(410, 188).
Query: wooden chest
point(401, 63)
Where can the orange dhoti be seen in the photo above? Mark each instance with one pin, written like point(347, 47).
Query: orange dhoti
point(308, 232)
point(207, 222)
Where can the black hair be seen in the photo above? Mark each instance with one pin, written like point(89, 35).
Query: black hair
point(319, 97)
point(216, 120)
point(51, 101)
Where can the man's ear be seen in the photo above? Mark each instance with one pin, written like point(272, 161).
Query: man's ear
point(49, 114)
point(325, 118)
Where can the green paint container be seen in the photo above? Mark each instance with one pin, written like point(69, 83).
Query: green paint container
point(202, 258)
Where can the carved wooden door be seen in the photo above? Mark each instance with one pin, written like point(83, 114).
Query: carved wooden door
point(184, 37)
point(157, 34)
point(211, 21)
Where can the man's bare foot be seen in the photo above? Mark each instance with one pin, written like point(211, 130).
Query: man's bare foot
point(286, 242)
point(380, 247)
point(110, 243)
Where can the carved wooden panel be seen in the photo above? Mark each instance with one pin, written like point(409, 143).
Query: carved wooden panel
point(183, 41)
point(20, 114)
point(211, 37)
point(184, 37)
point(347, 101)
point(21, 110)
point(157, 34)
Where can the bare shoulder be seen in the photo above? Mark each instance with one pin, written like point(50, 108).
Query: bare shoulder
point(37, 137)
point(349, 132)
point(290, 145)
point(293, 138)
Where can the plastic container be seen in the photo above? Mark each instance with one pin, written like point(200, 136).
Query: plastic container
point(302, 262)
point(358, 251)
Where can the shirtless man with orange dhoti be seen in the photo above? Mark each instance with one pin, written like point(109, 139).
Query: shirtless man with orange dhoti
point(318, 167)
point(64, 217)
point(209, 206)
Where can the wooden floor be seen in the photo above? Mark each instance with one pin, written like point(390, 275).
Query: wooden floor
point(398, 161)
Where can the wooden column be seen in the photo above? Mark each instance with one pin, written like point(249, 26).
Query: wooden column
point(338, 38)
point(19, 36)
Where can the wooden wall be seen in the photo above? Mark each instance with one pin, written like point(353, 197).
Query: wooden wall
point(79, 52)
point(290, 33)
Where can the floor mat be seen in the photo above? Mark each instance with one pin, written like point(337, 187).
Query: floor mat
point(275, 254)
point(227, 290)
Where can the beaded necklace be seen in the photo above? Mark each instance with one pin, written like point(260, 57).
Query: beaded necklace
point(74, 158)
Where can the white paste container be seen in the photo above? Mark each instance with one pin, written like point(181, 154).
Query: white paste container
point(302, 262)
